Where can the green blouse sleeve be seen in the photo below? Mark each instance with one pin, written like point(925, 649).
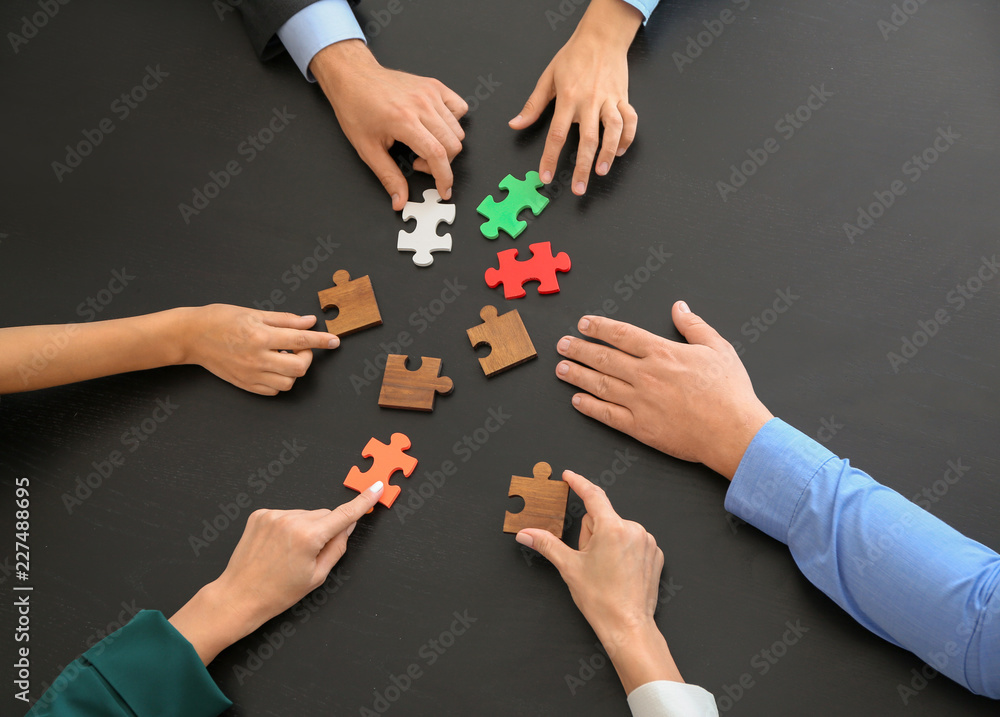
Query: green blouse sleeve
point(146, 668)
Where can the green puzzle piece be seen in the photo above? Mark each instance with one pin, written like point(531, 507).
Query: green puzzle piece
point(521, 194)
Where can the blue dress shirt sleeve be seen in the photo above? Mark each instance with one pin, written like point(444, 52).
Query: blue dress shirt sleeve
point(899, 571)
point(317, 26)
point(646, 7)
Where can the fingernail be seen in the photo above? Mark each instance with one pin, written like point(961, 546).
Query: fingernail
point(563, 346)
point(447, 193)
point(395, 199)
point(563, 368)
point(546, 176)
point(576, 400)
point(584, 324)
point(377, 487)
point(683, 307)
point(334, 343)
point(351, 529)
point(524, 539)
point(603, 168)
point(620, 152)
point(518, 118)
point(579, 188)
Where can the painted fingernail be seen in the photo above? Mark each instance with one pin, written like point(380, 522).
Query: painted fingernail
point(603, 168)
point(546, 176)
point(579, 188)
point(584, 324)
point(563, 345)
point(562, 369)
point(351, 529)
point(683, 307)
point(524, 539)
point(377, 487)
point(576, 400)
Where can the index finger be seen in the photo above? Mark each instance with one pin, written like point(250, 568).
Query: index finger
point(300, 339)
point(595, 500)
point(427, 146)
point(625, 337)
point(344, 515)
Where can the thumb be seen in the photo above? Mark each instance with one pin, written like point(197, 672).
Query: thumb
point(550, 547)
point(694, 328)
point(389, 174)
point(536, 104)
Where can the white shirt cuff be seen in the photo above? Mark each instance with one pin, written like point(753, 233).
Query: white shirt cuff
point(317, 26)
point(663, 698)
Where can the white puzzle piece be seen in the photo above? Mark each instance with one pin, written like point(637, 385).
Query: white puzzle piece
point(424, 239)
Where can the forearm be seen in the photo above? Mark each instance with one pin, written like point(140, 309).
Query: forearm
point(640, 655)
point(34, 357)
point(211, 623)
point(612, 23)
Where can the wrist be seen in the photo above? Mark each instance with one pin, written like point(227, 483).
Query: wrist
point(180, 332)
point(611, 23)
point(730, 454)
point(209, 622)
point(341, 60)
point(640, 654)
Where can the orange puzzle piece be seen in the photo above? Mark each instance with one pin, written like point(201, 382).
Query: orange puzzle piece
point(544, 502)
point(387, 460)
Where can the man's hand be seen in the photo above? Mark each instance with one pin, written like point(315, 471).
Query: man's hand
point(614, 579)
point(693, 401)
point(588, 78)
point(377, 107)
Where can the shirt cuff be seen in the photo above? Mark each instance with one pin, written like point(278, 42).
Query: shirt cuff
point(663, 698)
point(778, 465)
point(317, 26)
point(156, 671)
point(646, 7)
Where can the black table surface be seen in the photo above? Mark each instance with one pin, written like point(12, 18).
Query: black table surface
point(881, 93)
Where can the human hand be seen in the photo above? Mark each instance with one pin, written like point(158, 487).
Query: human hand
point(246, 347)
point(377, 107)
point(282, 557)
point(693, 401)
point(588, 78)
point(614, 579)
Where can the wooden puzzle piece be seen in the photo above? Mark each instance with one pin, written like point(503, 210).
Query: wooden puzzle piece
point(387, 460)
point(541, 267)
point(544, 502)
point(521, 194)
point(506, 336)
point(356, 301)
point(414, 390)
point(424, 239)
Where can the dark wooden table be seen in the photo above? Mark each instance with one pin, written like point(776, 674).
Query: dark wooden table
point(863, 100)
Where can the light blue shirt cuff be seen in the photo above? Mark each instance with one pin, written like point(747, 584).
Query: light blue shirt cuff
point(776, 468)
point(317, 26)
point(646, 7)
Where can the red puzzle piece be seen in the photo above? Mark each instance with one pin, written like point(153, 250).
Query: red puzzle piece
point(541, 267)
point(388, 459)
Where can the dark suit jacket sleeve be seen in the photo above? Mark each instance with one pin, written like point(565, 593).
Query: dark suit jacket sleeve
point(263, 18)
